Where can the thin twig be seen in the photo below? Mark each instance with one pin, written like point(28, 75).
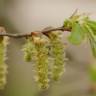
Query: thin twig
point(45, 32)
point(74, 13)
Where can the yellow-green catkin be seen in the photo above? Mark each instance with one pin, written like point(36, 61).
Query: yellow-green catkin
point(29, 50)
point(35, 50)
point(3, 66)
point(58, 54)
point(41, 62)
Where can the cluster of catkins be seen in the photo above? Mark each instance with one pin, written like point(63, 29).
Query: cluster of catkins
point(3, 66)
point(39, 49)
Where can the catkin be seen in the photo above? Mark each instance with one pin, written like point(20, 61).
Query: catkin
point(29, 50)
point(3, 66)
point(40, 49)
point(57, 48)
point(35, 50)
point(41, 62)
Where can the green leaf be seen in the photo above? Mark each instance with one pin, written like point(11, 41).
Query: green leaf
point(92, 39)
point(93, 46)
point(94, 49)
point(92, 25)
point(77, 34)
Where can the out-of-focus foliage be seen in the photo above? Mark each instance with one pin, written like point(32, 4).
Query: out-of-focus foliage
point(92, 72)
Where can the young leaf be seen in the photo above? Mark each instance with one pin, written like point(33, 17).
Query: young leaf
point(77, 34)
point(92, 39)
point(92, 25)
point(93, 46)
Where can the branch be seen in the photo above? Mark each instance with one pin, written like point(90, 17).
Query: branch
point(45, 32)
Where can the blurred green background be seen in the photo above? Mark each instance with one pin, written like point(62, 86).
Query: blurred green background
point(21, 16)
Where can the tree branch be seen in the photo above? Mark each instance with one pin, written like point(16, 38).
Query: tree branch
point(45, 32)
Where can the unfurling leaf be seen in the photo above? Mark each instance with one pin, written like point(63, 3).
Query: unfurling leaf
point(93, 46)
point(72, 19)
point(92, 39)
point(92, 25)
point(77, 34)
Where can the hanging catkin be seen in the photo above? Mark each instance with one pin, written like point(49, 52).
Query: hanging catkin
point(41, 62)
point(3, 66)
point(57, 48)
point(36, 51)
point(29, 50)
